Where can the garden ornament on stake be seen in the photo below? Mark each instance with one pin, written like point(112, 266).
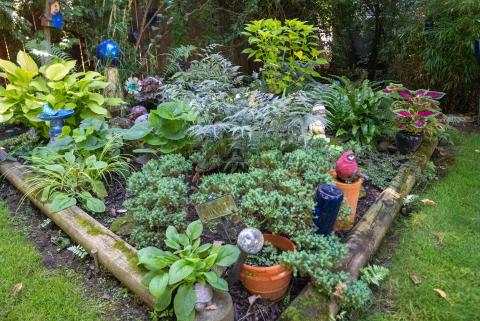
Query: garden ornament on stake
point(108, 51)
point(51, 18)
point(329, 198)
point(250, 241)
point(55, 117)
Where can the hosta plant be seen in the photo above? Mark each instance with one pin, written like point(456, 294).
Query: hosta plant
point(288, 52)
point(166, 129)
point(28, 87)
point(417, 111)
point(173, 274)
point(65, 179)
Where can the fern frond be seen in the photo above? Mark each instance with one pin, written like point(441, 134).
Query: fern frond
point(374, 274)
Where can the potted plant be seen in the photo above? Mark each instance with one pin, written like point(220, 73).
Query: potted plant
point(272, 281)
point(187, 275)
point(346, 178)
point(418, 115)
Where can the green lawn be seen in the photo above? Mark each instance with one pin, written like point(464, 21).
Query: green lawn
point(440, 245)
point(47, 295)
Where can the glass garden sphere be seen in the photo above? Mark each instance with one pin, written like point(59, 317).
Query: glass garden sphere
point(109, 51)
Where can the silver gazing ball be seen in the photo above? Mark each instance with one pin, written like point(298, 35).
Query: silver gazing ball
point(250, 240)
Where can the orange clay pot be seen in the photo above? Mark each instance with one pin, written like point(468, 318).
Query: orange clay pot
point(351, 192)
point(270, 282)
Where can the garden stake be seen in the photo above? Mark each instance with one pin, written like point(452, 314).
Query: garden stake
point(250, 241)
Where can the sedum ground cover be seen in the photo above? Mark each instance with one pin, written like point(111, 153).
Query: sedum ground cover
point(43, 294)
point(440, 247)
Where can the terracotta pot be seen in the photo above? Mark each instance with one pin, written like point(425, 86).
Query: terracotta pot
point(351, 194)
point(270, 282)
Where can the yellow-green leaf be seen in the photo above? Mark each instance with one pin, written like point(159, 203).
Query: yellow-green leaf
point(97, 109)
point(26, 62)
point(8, 66)
point(96, 98)
point(5, 117)
point(58, 71)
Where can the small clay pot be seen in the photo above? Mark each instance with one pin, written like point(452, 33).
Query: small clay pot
point(270, 282)
point(407, 142)
point(351, 194)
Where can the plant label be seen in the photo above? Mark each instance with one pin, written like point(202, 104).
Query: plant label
point(220, 207)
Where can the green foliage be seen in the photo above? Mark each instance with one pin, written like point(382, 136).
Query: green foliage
point(319, 258)
point(177, 59)
point(166, 128)
point(288, 52)
point(358, 112)
point(158, 198)
point(381, 168)
point(174, 274)
point(29, 87)
point(421, 60)
point(63, 179)
point(275, 192)
point(268, 256)
point(373, 274)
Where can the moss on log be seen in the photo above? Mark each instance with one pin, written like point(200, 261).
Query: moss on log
point(113, 253)
point(364, 240)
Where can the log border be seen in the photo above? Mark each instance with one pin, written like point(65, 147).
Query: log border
point(364, 239)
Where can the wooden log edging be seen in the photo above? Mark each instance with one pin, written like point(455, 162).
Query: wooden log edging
point(364, 240)
point(116, 255)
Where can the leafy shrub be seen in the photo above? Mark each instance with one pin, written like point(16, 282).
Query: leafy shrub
point(358, 112)
point(166, 128)
point(158, 197)
point(288, 52)
point(276, 191)
point(381, 168)
point(29, 87)
point(64, 179)
point(178, 272)
point(319, 258)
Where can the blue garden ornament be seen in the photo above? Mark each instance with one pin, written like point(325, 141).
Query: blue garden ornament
point(477, 50)
point(329, 199)
point(55, 117)
point(57, 21)
point(109, 51)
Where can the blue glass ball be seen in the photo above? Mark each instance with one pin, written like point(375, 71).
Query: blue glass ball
point(109, 51)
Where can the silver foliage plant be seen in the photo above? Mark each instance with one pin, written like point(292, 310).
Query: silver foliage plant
point(227, 110)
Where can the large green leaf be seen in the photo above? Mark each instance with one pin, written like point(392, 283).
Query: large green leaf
point(97, 98)
point(27, 63)
point(184, 302)
point(95, 205)
point(137, 131)
point(217, 282)
point(8, 66)
point(164, 300)
point(58, 71)
point(5, 117)
point(99, 189)
point(97, 109)
point(155, 259)
point(194, 230)
point(227, 255)
point(179, 271)
point(158, 285)
point(61, 201)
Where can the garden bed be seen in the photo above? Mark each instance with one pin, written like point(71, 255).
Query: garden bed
point(121, 260)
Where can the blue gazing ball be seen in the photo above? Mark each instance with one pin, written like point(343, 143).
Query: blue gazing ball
point(57, 21)
point(109, 51)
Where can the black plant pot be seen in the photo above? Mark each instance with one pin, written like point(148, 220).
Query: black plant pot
point(408, 142)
